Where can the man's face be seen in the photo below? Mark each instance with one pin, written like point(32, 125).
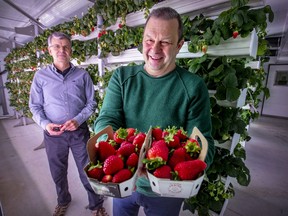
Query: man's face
point(60, 50)
point(160, 46)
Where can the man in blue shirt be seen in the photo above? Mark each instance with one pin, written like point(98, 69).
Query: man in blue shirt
point(61, 100)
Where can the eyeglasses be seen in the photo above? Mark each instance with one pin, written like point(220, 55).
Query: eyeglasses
point(58, 47)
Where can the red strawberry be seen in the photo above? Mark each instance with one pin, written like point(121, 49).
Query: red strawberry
point(188, 157)
point(173, 141)
point(107, 178)
point(131, 138)
point(139, 140)
point(132, 160)
point(112, 165)
point(158, 142)
point(104, 150)
point(189, 170)
point(156, 156)
point(182, 134)
point(235, 34)
point(126, 150)
point(95, 171)
point(178, 156)
point(157, 133)
point(192, 147)
point(125, 143)
point(120, 25)
point(131, 132)
point(122, 176)
point(92, 29)
point(164, 134)
point(120, 135)
point(163, 172)
point(100, 34)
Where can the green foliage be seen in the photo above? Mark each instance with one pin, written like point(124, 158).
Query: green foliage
point(18, 86)
point(225, 75)
point(83, 49)
point(232, 165)
point(112, 10)
point(211, 196)
point(123, 38)
point(213, 193)
point(239, 18)
point(225, 121)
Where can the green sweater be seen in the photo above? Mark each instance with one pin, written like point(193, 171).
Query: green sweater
point(136, 99)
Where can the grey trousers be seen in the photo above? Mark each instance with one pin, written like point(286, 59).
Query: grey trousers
point(57, 149)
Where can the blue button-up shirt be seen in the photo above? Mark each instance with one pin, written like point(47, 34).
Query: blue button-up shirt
point(56, 99)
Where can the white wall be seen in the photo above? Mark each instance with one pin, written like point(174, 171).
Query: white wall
point(277, 103)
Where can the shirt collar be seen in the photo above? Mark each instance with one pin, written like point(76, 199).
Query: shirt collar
point(63, 73)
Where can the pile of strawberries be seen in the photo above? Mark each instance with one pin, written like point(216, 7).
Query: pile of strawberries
point(173, 155)
point(117, 158)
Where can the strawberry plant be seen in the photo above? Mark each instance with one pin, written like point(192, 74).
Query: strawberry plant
point(211, 196)
point(212, 193)
point(225, 75)
point(226, 122)
point(18, 86)
point(237, 21)
point(112, 10)
point(226, 164)
point(122, 39)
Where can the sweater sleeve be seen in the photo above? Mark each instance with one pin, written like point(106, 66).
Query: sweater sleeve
point(112, 108)
point(199, 115)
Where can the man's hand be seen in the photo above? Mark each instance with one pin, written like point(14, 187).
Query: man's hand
point(54, 129)
point(70, 125)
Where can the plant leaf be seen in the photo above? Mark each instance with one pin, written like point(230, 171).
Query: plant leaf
point(232, 94)
point(230, 81)
point(216, 71)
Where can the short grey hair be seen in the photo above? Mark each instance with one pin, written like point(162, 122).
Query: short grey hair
point(167, 13)
point(58, 35)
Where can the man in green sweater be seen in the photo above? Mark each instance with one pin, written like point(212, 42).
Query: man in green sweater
point(158, 93)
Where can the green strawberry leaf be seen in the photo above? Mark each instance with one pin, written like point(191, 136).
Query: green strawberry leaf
point(239, 126)
point(232, 93)
point(230, 81)
point(216, 71)
point(243, 179)
point(216, 38)
point(208, 34)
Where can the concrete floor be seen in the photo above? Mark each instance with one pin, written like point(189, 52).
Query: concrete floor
point(26, 187)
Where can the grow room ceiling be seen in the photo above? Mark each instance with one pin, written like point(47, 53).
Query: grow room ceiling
point(21, 20)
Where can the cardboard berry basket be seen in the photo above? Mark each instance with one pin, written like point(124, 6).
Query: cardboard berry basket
point(180, 189)
point(118, 190)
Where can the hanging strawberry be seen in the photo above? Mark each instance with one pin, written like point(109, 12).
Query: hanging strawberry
point(204, 48)
point(235, 34)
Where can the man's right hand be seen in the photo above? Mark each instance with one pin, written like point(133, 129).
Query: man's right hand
point(54, 129)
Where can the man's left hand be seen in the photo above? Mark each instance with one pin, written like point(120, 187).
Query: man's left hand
point(70, 125)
